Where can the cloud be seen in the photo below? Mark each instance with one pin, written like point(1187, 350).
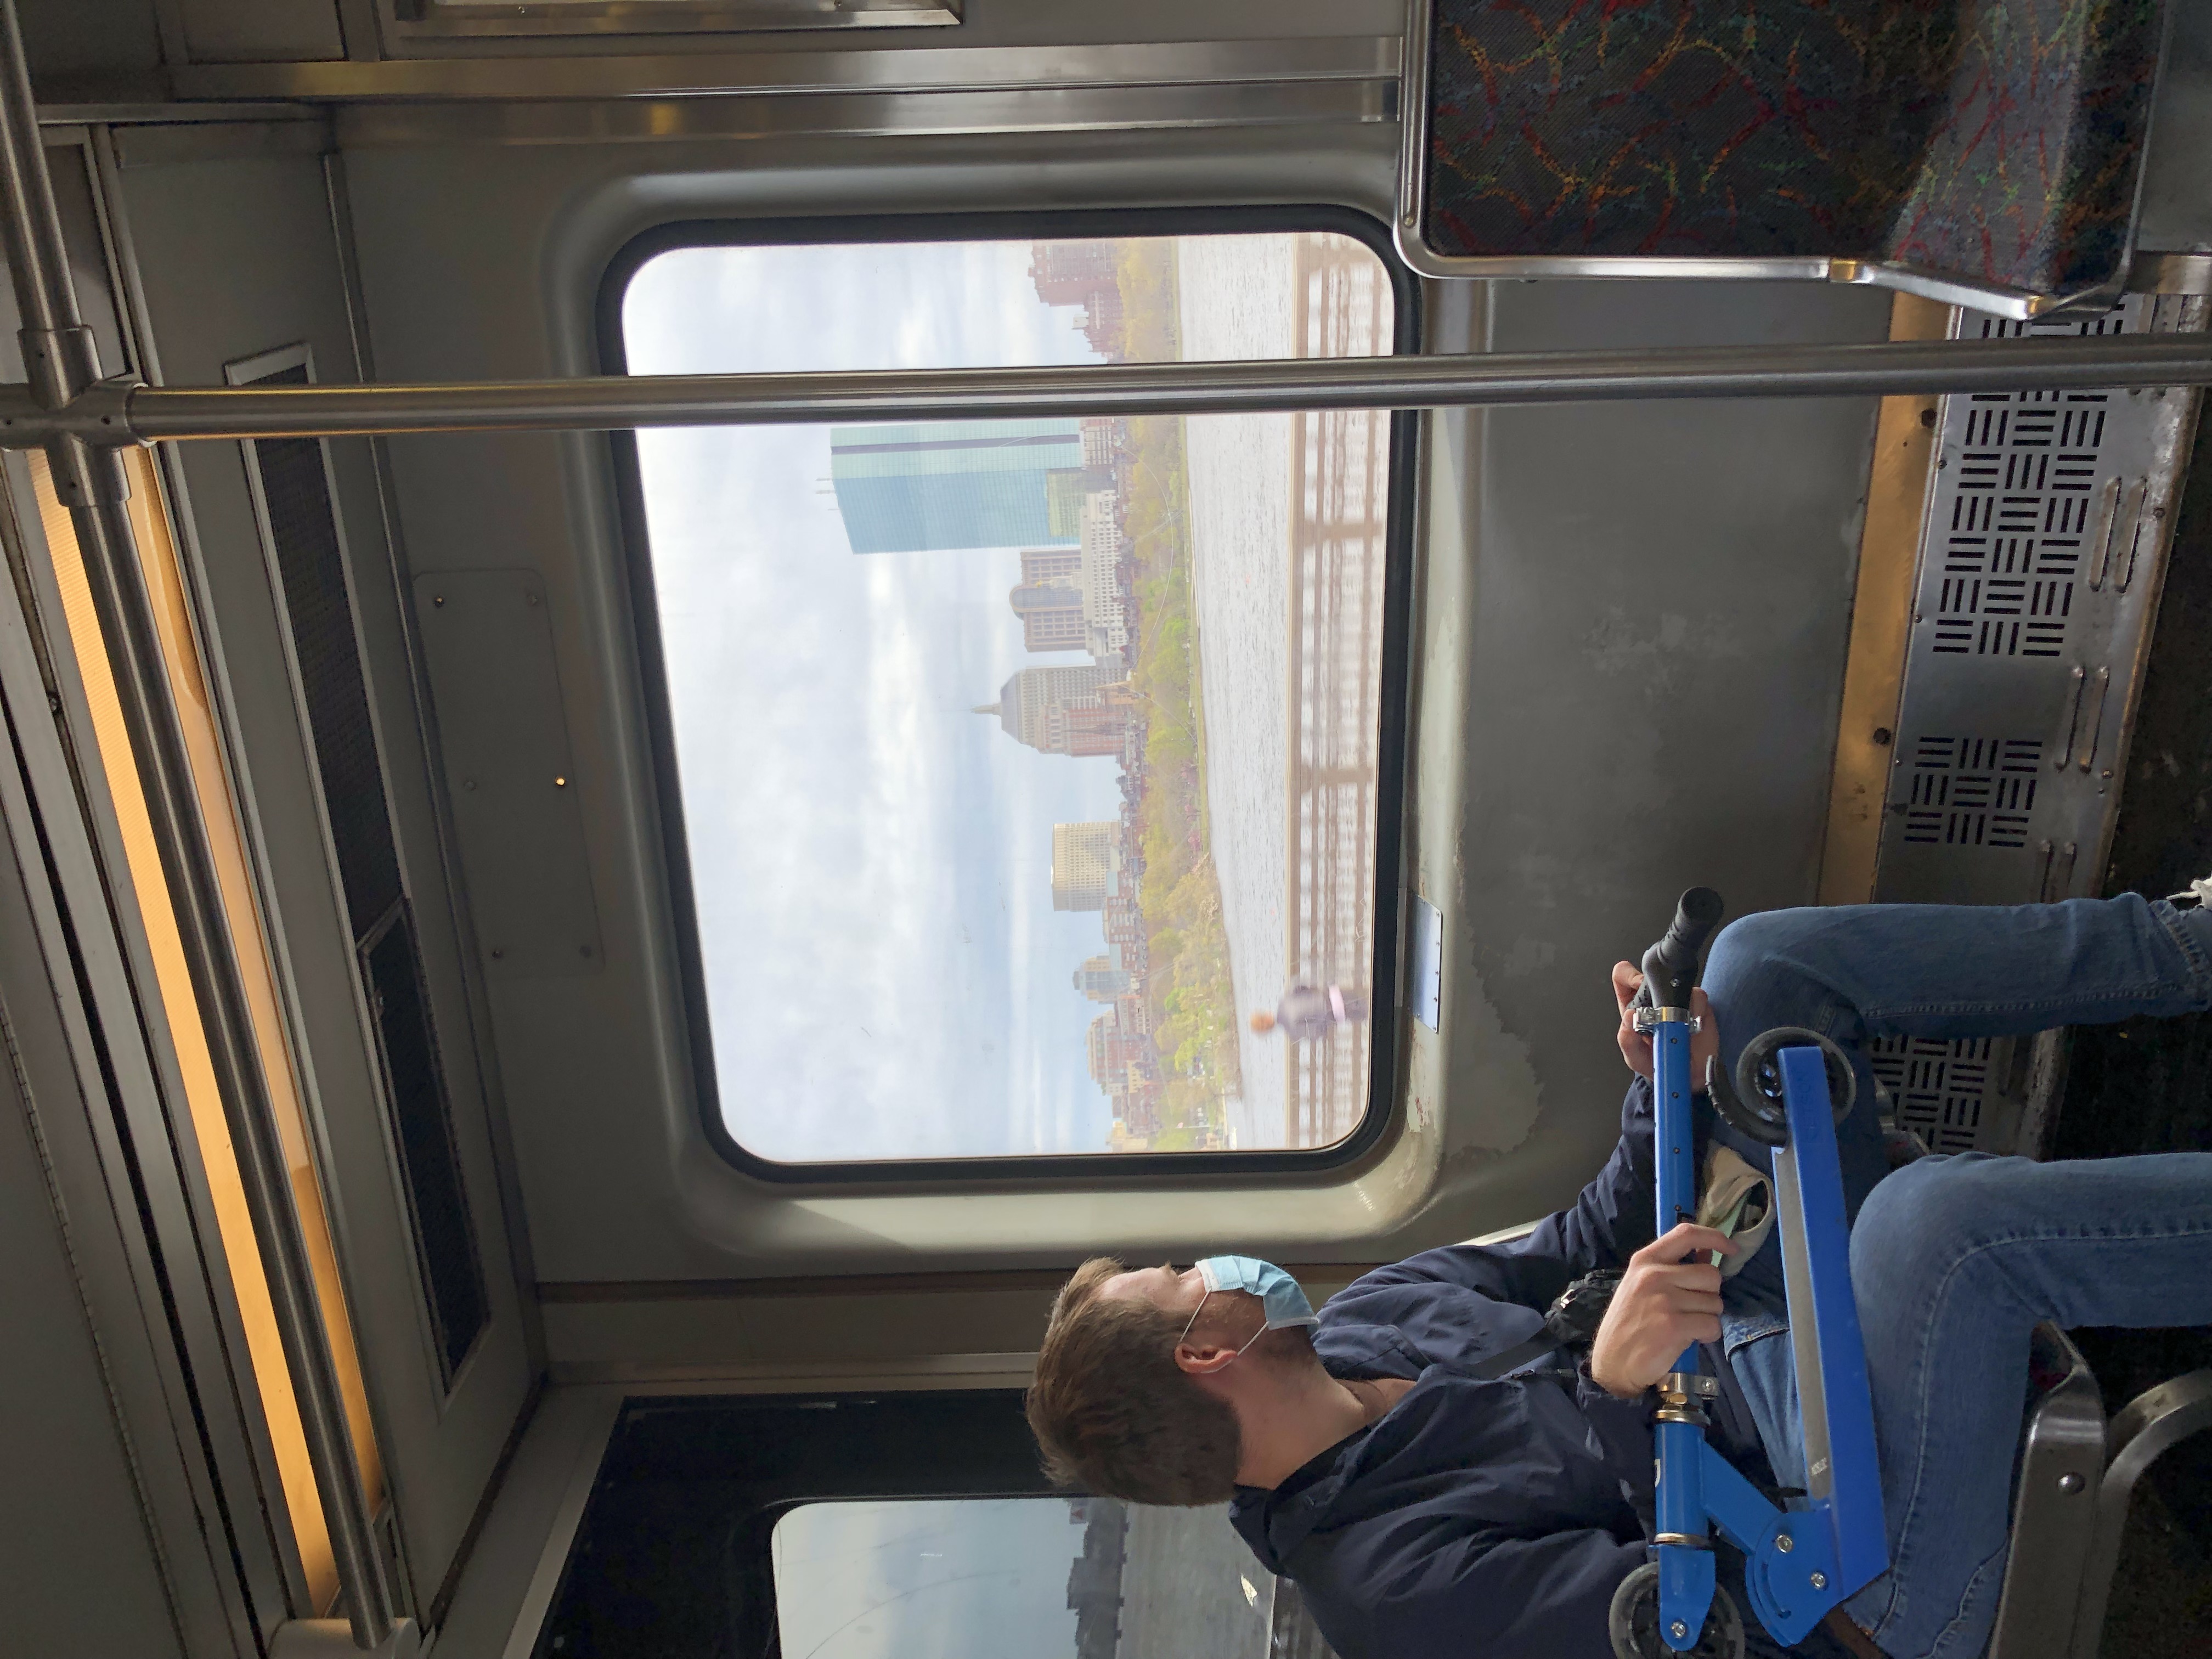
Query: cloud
point(870, 861)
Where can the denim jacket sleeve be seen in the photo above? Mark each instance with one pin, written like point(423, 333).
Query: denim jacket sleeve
point(1610, 1221)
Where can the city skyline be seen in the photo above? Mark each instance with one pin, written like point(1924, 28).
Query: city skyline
point(854, 830)
point(943, 485)
point(1082, 599)
point(855, 700)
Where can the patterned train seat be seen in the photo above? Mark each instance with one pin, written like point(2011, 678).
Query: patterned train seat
point(1992, 144)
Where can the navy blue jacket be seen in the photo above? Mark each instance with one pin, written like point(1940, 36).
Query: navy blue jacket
point(1485, 1519)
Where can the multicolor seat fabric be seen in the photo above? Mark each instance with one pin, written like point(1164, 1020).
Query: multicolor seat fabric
point(1995, 141)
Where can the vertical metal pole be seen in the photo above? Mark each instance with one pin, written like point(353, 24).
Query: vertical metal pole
point(63, 359)
point(1685, 1569)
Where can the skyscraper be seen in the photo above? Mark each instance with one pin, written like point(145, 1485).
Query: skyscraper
point(1034, 703)
point(1084, 857)
point(1065, 492)
point(1102, 978)
point(951, 484)
point(1051, 614)
point(1105, 619)
point(1051, 564)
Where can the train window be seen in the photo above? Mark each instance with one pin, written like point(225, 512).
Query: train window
point(1015, 765)
point(1016, 1578)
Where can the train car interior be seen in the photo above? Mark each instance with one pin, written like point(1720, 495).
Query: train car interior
point(1436, 482)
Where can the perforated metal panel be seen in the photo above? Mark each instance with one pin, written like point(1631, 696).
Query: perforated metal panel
point(2040, 557)
point(2040, 561)
point(1956, 1095)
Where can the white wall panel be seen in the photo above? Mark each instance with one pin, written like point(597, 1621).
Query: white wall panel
point(71, 1499)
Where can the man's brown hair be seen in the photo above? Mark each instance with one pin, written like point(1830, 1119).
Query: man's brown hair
point(1115, 1413)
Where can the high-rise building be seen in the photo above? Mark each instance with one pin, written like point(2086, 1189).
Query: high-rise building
point(1051, 614)
point(1065, 493)
point(938, 484)
point(1065, 711)
point(1102, 977)
point(1124, 921)
point(1084, 857)
point(1094, 1580)
point(1118, 1056)
point(1100, 442)
point(1051, 564)
point(1085, 274)
point(1067, 273)
point(1103, 725)
point(1105, 618)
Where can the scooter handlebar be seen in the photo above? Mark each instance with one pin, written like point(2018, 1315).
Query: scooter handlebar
point(1670, 967)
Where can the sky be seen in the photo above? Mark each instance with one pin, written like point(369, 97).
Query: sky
point(871, 860)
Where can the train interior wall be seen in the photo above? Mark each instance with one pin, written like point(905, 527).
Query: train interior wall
point(1630, 628)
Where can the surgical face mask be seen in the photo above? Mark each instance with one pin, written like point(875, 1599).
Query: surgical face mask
point(1282, 1299)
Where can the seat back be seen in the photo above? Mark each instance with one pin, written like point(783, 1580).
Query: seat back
point(1988, 151)
point(2054, 1502)
point(2077, 1473)
point(2142, 1432)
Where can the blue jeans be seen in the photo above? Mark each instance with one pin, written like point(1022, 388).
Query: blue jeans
point(1954, 1260)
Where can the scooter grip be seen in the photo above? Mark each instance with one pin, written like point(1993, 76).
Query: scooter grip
point(1670, 967)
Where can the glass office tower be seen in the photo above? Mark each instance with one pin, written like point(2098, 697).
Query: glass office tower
point(952, 484)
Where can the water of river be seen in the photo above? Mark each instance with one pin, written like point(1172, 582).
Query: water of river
point(1235, 295)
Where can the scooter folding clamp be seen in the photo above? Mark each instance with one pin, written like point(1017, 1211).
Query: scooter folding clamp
point(1682, 1395)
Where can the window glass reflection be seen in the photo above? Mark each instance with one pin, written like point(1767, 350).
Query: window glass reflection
point(1027, 1578)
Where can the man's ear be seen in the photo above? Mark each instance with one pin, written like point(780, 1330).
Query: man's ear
point(1203, 1358)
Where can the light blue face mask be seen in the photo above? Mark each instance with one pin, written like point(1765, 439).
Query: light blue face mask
point(1282, 1299)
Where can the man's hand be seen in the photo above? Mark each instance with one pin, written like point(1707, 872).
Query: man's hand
point(1664, 1305)
point(1636, 1046)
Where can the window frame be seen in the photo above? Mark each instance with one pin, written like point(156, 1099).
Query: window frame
point(1389, 989)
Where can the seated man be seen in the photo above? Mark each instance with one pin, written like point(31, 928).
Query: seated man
point(1424, 1510)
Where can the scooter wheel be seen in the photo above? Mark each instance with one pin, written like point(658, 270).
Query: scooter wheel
point(1759, 1082)
point(1757, 1119)
point(1633, 1623)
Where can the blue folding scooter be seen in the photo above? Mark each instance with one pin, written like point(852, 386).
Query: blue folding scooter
point(1791, 1087)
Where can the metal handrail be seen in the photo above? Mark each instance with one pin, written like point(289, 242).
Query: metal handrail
point(62, 360)
point(110, 413)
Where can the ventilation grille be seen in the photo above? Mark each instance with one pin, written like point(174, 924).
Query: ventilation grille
point(1973, 792)
point(1939, 1087)
point(293, 478)
point(2018, 523)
